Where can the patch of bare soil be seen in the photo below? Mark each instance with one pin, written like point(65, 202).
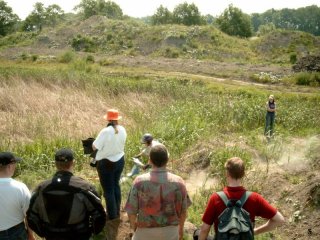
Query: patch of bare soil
point(294, 188)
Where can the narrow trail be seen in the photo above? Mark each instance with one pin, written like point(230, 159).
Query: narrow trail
point(199, 179)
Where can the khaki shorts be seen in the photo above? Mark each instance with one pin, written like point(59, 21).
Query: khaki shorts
point(158, 233)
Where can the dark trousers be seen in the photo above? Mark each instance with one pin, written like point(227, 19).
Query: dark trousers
point(17, 232)
point(109, 175)
point(270, 117)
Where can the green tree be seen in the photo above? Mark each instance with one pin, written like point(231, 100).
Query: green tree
point(187, 14)
point(87, 8)
point(234, 22)
point(8, 19)
point(162, 16)
point(90, 8)
point(266, 28)
point(41, 16)
point(109, 9)
point(35, 20)
point(209, 19)
point(54, 14)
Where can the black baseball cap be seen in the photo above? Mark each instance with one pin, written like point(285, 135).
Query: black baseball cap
point(7, 158)
point(64, 155)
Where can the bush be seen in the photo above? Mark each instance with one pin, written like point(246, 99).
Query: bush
point(171, 53)
point(264, 77)
point(90, 59)
point(34, 57)
point(66, 57)
point(24, 56)
point(307, 79)
point(83, 43)
point(293, 58)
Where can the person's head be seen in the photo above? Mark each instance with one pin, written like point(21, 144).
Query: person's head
point(235, 168)
point(147, 139)
point(112, 116)
point(8, 163)
point(159, 155)
point(271, 98)
point(64, 159)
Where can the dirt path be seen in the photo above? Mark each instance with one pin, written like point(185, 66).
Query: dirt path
point(199, 179)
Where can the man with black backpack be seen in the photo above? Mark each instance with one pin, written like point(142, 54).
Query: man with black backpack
point(65, 207)
point(233, 210)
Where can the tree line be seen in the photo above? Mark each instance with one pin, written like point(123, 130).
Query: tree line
point(232, 21)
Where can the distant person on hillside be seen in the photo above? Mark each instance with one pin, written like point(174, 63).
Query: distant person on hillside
point(148, 141)
point(14, 201)
point(255, 204)
point(158, 201)
point(66, 206)
point(110, 144)
point(270, 117)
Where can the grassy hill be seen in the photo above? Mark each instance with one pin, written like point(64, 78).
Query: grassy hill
point(101, 35)
point(189, 87)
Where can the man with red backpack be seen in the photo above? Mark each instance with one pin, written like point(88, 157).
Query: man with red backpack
point(224, 208)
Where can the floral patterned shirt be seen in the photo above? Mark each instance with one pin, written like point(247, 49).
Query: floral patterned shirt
point(158, 198)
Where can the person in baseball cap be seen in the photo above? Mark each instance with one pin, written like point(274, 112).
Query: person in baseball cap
point(64, 155)
point(8, 158)
point(15, 198)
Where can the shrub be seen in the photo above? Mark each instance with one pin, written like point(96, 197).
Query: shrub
point(34, 57)
point(66, 57)
point(264, 77)
point(24, 56)
point(171, 53)
point(90, 59)
point(83, 43)
point(293, 58)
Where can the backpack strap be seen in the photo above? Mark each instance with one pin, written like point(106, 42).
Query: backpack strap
point(223, 197)
point(245, 197)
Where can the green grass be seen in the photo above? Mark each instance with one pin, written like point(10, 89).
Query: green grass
point(179, 111)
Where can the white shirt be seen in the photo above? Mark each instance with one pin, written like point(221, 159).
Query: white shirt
point(14, 202)
point(110, 144)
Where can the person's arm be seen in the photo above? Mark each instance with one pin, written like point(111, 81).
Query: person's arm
point(182, 219)
point(274, 222)
point(204, 231)
point(30, 232)
point(133, 221)
point(94, 147)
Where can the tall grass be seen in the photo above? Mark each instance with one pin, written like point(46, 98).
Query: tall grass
point(44, 107)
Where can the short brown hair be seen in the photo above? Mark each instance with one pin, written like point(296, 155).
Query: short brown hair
point(62, 166)
point(159, 155)
point(235, 167)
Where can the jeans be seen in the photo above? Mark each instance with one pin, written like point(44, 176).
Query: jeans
point(268, 131)
point(109, 175)
point(19, 233)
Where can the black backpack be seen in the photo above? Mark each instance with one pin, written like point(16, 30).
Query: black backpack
point(234, 221)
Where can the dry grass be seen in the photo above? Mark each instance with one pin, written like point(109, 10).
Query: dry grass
point(30, 111)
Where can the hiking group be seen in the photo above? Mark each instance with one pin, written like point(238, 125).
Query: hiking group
point(68, 207)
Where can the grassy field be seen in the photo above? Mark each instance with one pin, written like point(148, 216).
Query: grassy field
point(45, 106)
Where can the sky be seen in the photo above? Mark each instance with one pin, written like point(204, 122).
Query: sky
point(143, 8)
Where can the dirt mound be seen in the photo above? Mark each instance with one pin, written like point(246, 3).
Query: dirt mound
point(309, 63)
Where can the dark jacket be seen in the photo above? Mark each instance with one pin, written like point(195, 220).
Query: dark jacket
point(67, 207)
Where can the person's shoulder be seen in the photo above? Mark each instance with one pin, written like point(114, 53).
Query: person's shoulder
point(81, 183)
point(175, 178)
point(143, 178)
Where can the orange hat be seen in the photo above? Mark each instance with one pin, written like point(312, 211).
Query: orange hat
point(112, 114)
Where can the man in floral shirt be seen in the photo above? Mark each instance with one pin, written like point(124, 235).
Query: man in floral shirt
point(158, 201)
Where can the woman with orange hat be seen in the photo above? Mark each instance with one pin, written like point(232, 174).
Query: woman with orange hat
point(270, 117)
point(110, 144)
